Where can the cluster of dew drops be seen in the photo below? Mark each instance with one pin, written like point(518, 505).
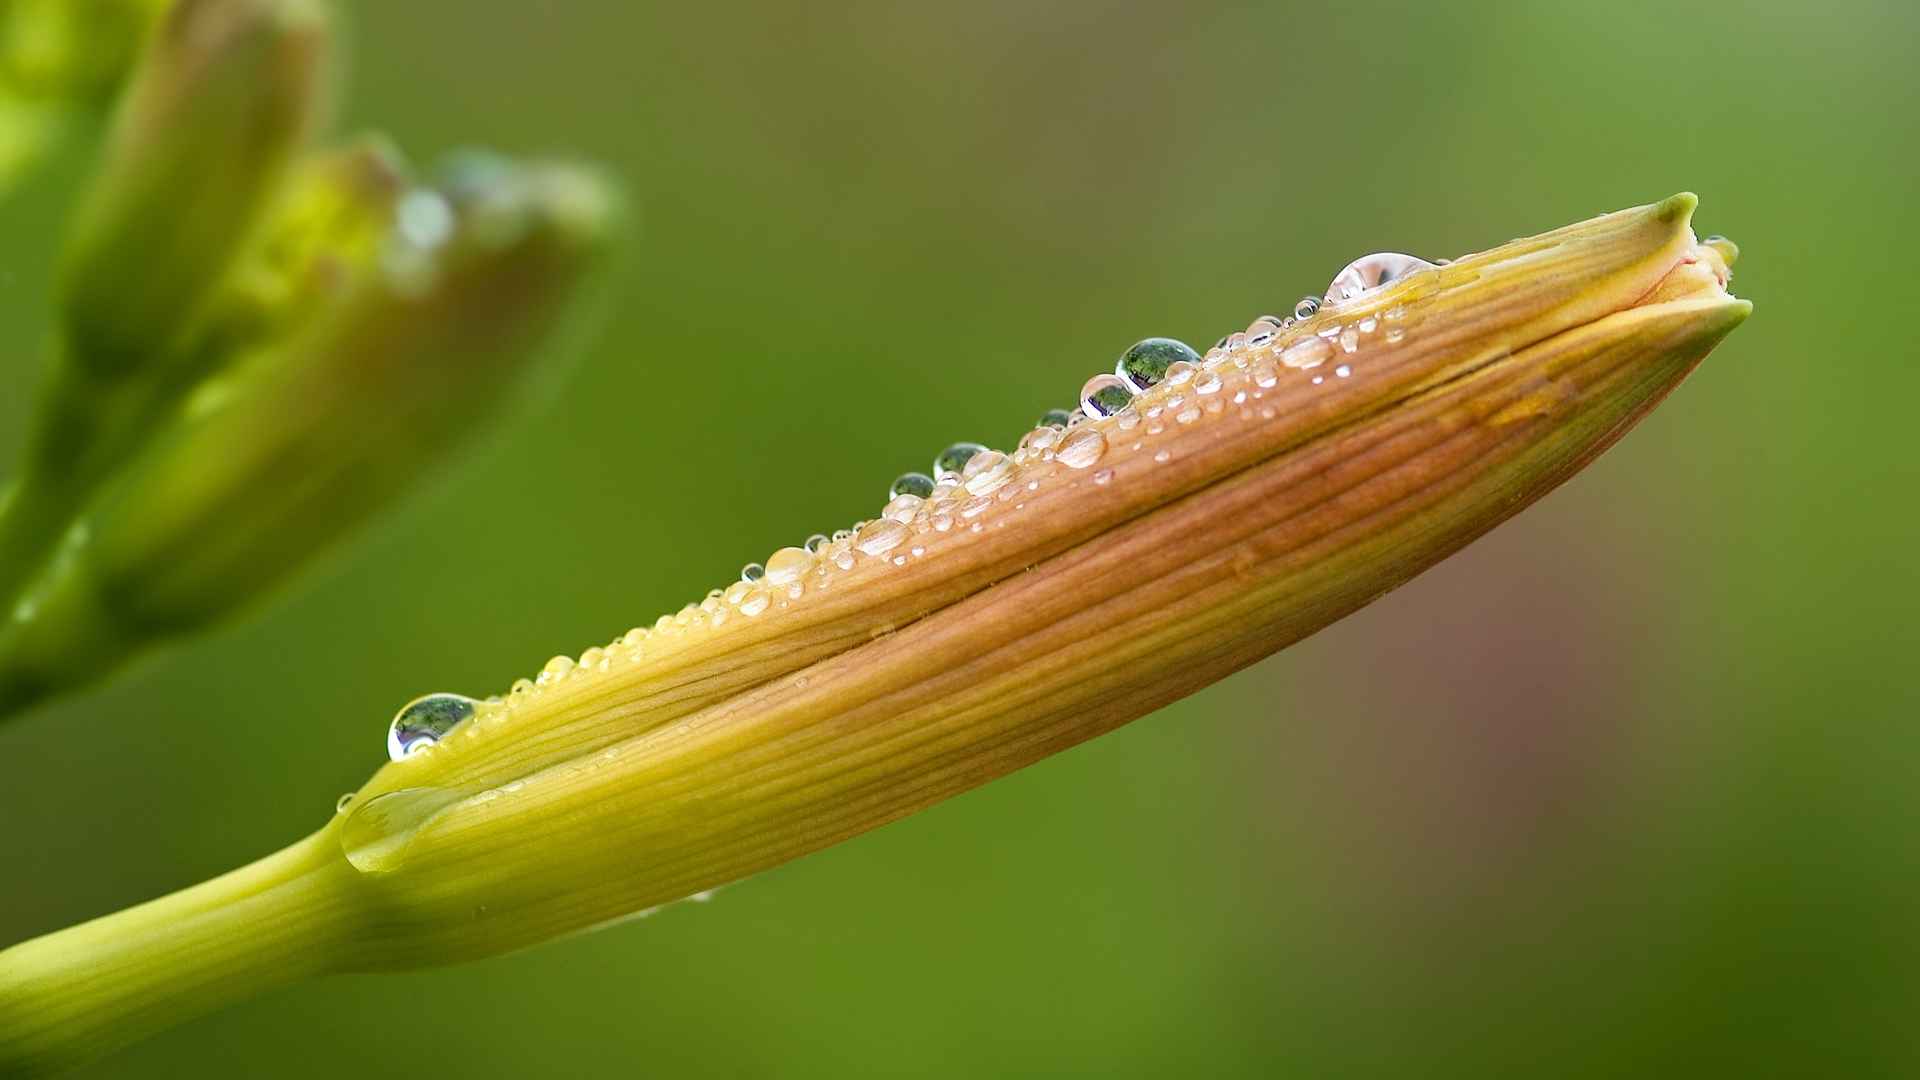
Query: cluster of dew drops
point(967, 479)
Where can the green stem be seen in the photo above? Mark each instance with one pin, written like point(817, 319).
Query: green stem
point(83, 992)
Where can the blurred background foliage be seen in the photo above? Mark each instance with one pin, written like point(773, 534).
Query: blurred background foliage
point(1626, 787)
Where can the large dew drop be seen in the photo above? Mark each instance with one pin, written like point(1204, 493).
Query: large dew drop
point(787, 564)
point(1369, 272)
point(1104, 395)
point(1146, 363)
point(425, 721)
point(1082, 448)
point(919, 485)
point(954, 458)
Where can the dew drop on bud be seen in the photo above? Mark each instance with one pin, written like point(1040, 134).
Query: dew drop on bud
point(1145, 364)
point(1307, 353)
point(787, 564)
point(912, 483)
point(1054, 418)
point(954, 458)
point(1104, 395)
point(1082, 448)
point(425, 721)
point(1306, 307)
point(880, 537)
point(818, 541)
point(1369, 272)
point(901, 508)
point(753, 571)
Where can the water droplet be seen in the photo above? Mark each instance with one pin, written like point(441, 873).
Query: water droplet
point(1104, 395)
point(1082, 448)
point(1264, 374)
point(1054, 418)
point(815, 543)
point(1350, 340)
point(1395, 334)
point(1369, 272)
point(1306, 307)
point(752, 572)
point(1146, 363)
point(1207, 382)
point(913, 483)
point(1179, 373)
point(1343, 371)
point(987, 471)
point(754, 602)
point(424, 218)
point(425, 721)
point(954, 458)
point(557, 668)
point(1103, 477)
point(787, 564)
point(1307, 353)
point(340, 805)
point(1163, 456)
point(880, 537)
point(902, 508)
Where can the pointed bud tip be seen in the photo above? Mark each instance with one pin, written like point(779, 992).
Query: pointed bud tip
point(1677, 208)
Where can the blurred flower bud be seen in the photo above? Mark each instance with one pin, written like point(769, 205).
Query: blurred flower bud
point(288, 450)
point(225, 94)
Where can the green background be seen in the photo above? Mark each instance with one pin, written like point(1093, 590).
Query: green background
point(1630, 786)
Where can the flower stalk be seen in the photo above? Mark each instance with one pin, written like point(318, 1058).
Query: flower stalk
point(1033, 601)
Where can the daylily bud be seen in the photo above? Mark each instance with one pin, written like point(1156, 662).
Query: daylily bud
point(1024, 603)
point(60, 62)
point(225, 93)
point(223, 96)
point(274, 460)
point(70, 51)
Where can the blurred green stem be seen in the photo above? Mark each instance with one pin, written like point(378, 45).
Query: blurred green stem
point(83, 992)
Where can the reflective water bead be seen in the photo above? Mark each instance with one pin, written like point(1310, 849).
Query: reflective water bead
point(1306, 307)
point(1082, 448)
point(1307, 353)
point(879, 537)
point(424, 721)
point(1208, 382)
point(787, 564)
point(1146, 362)
point(1054, 418)
point(912, 483)
point(754, 602)
point(1369, 272)
point(1343, 371)
point(1178, 373)
point(902, 508)
point(1104, 395)
point(987, 472)
point(752, 572)
point(954, 458)
point(815, 543)
point(1042, 437)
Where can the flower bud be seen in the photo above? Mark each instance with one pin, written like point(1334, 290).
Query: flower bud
point(224, 95)
point(274, 460)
